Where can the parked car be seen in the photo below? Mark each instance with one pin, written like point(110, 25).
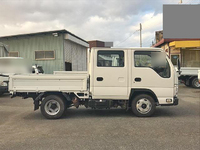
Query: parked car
point(14, 65)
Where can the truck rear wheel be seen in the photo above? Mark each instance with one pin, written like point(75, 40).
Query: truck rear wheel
point(195, 83)
point(143, 105)
point(52, 107)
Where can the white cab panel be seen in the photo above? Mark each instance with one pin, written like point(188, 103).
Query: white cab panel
point(110, 74)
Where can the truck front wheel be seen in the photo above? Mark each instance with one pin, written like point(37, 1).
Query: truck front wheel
point(52, 107)
point(143, 105)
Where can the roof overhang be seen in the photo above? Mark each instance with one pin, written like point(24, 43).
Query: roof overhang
point(11, 58)
point(185, 44)
point(75, 40)
point(164, 41)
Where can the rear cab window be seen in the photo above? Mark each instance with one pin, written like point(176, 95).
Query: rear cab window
point(110, 58)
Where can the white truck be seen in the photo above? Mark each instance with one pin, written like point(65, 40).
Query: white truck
point(189, 76)
point(136, 78)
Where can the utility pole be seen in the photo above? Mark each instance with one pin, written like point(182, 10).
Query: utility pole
point(140, 35)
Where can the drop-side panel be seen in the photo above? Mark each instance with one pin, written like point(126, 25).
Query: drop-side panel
point(41, 83)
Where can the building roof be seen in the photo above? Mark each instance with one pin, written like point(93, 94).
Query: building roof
point(95, 41)
point(170, 40)
point(45, 32)
point(5, 58)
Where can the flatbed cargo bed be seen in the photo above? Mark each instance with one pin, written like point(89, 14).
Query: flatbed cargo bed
point(49, 82)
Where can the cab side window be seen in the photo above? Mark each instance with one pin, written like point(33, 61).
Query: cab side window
point(143, 60)
point(110, 58)
point(153, 60)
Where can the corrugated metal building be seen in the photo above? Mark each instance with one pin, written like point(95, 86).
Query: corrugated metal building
point(3, 50)
point(55, 50)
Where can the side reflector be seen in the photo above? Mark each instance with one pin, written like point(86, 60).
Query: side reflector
point(168, 100)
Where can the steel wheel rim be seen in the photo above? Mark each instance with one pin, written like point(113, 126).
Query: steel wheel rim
point(143, 106)
point(196, 83)
point(52, 107)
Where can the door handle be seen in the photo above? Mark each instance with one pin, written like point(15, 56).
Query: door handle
point(99, 78)
point(138, 79)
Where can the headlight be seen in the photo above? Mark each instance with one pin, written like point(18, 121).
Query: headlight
point(4, 84)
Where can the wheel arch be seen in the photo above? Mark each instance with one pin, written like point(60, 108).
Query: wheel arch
point(66, 97)
point(135, 92)
point(53, 93)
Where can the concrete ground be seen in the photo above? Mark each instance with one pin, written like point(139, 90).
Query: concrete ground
point(174, 127)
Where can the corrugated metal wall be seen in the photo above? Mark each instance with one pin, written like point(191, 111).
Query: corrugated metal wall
point(75, 54)
point(27, 45)
point(3, 51)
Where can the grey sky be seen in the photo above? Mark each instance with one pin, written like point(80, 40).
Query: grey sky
point(107, 20)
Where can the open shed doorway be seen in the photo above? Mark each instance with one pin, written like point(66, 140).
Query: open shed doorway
point(68, 66)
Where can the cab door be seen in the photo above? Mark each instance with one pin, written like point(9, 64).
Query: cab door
point(110, 74)
point(152, 70)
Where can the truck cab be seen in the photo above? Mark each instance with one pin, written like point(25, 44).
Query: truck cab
point(121, 73)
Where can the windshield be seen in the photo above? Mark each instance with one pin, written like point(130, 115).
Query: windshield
point(110, 59)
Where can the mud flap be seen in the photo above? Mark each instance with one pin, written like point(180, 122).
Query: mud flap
point(36, 104)
point(37, 101)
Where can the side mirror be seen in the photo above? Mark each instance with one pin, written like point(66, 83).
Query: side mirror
point(179, 66)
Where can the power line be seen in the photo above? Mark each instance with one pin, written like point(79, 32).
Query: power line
point(127, 38)
point(149, 39)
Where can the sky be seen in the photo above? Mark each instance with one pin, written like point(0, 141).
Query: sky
point(107, 20)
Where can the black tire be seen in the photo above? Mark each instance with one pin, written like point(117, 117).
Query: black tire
point(195, 83)
point(48, 102)
point(187, 85)
point(145, 101)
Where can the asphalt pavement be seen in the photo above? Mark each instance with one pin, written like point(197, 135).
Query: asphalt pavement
point(172, 127)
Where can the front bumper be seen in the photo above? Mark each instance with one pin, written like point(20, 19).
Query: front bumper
point(175, 102)
point(3, 89)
